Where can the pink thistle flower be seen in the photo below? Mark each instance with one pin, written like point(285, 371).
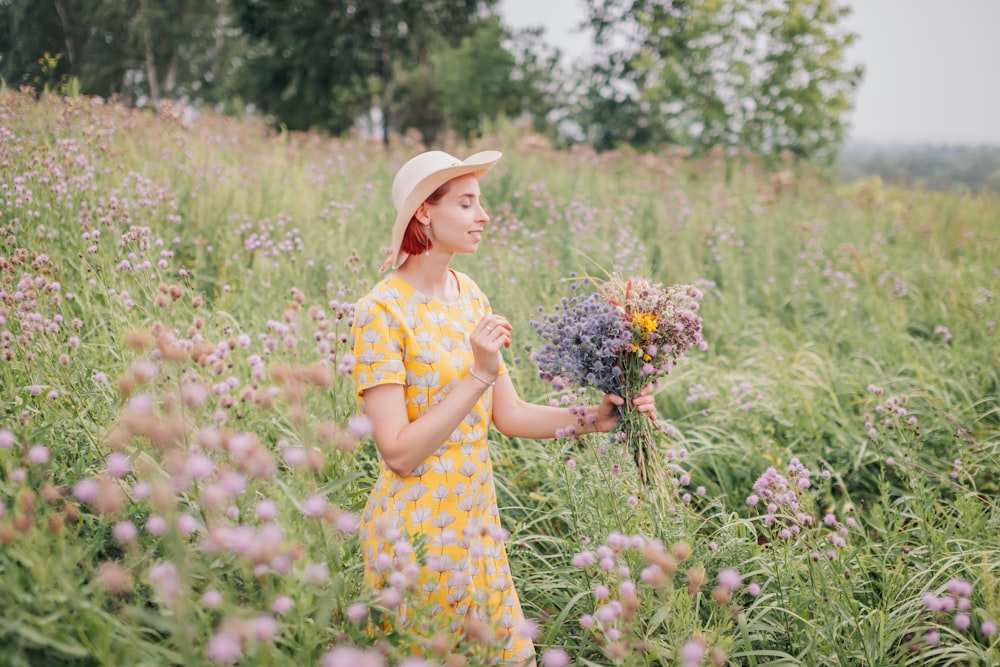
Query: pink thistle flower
point(264, 627)
point(211, 598)
point(156, 525)
point(960, 587)
point(347, 523)
point(606, 614)
point(199, 466)
point(141, 404)
point(187, 524)
point(224, 648)
point(555, 657)
point(317, 573)
point(266, 510)
point(294, 456)
point(86, 490)
point(38, 454)
point(282, 605)
point(692, 652)
point(359, 426)
point(356, 612)
point(165, 579)
point(124, 532)
point(7, 439)
point(729, 578)
point(118, 464)
point(348, 656)
point(932, 637)
point(314, 506)
point(233, 482)
point(962, 621)
point(988, 628)
point(753, 589)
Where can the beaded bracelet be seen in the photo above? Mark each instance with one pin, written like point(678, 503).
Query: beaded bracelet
point(481, 378)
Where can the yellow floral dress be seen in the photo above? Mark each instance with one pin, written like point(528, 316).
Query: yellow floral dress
point(447, 504)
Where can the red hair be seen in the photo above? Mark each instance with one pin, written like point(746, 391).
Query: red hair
point(415, 239)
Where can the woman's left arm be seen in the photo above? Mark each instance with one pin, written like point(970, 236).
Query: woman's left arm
point(517, 418)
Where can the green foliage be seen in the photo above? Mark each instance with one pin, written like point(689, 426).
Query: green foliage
point(210, 269)
point(141, 51)
point(471, 94)
point(743, 75)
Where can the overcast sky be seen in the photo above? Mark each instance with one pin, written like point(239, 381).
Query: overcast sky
point(932, 67)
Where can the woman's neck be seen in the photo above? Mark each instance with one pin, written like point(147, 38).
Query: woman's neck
point(431, 276)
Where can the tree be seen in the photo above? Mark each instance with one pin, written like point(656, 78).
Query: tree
point(139, 49)
point(323, 64)
point(474, 81)
point(767, 76)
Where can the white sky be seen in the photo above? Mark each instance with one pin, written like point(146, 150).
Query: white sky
point(932, 67)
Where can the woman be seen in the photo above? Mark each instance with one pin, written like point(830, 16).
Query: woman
point(430, 376)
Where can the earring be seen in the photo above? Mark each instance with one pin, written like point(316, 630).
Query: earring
point(427, 239)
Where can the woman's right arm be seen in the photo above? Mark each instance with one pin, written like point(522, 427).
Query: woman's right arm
point(403, 444)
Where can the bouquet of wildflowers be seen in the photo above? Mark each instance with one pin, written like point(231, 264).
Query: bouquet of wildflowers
point(617, 339)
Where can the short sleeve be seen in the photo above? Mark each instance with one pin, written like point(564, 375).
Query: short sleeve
point(377, 346)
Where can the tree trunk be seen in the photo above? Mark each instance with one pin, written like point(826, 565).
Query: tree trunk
point(70, 56)
point(154, 82)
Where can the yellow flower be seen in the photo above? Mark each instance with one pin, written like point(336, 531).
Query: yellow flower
point(644, 322)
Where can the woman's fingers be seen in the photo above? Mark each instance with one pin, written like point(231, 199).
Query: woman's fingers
point(495, 329)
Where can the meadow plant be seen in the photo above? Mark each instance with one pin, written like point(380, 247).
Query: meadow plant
point(182, 462)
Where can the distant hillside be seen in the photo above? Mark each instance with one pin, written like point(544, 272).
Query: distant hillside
point(927, 166)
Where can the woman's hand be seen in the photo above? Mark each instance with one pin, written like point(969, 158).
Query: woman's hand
point(606, 413)
point(492, 333)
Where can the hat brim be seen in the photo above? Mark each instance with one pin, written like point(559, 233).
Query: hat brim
point(477, 164)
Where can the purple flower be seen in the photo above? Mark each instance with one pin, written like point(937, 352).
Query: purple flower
point(118, 464)
point(348, 656)
point(124, 532)
point(282, 605)
point(224, 648)
point(264, 627)
point(729, 578)
point(356, 612)
point(86, 490)
point(211, 598)
point(38, 454)
point(555, 657)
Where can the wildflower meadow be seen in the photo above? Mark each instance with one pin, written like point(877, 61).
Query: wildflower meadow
point(182, 464)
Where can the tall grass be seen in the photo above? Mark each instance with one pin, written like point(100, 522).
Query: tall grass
point(180, 473)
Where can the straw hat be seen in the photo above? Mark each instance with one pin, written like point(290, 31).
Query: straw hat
point(418, 179)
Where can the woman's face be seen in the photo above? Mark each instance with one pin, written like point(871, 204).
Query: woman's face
point(458, 218)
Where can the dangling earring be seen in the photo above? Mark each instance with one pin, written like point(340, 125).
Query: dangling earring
point(427, 239)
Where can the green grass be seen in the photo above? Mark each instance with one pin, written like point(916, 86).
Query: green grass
point(826, 306)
